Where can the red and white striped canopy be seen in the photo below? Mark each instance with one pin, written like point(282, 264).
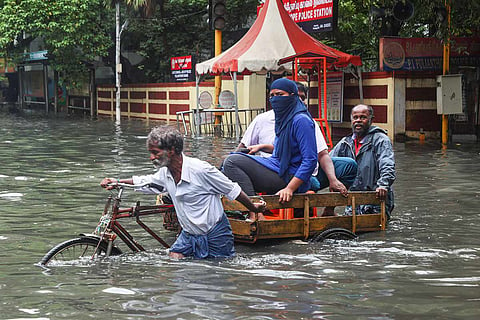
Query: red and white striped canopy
point(273, 37)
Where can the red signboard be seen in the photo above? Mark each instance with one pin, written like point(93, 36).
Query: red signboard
point(181, 63)
point(312, 15)
point(181, 68)
point(426, 53)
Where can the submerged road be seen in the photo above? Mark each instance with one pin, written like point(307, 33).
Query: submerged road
point(424, 266)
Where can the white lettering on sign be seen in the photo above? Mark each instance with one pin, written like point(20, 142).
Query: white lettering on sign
point(181, 63)
point(321, 2)
point(323, 12)
point(308, 10)
point(181, 71)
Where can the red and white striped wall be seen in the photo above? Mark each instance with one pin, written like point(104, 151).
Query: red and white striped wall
point(403, 103)
point(159, 101)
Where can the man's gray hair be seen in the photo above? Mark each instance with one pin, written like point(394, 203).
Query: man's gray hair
point(166, 137)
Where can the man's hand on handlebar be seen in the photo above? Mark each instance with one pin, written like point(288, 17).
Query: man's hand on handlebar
point(109, 183)
point(112, 183)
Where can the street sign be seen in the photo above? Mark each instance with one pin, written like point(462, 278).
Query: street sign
point(182, 68)
point(312, 16)
point(205, 100)
point(226, 99)
point(36, 55)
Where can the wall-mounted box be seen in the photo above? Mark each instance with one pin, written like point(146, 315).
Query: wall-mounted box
point(449, 94)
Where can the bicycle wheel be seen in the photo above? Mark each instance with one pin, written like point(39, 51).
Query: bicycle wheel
point(76, 249)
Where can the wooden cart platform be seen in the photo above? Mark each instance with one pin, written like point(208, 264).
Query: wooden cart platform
point(309, 225)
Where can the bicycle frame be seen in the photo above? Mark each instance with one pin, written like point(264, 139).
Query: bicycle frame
point(114, 228)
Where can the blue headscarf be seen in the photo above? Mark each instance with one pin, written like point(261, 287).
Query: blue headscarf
point(285, 108)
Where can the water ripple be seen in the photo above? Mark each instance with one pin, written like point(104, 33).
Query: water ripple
point(425, 265)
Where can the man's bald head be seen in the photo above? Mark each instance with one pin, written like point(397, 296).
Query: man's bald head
point(361, 119)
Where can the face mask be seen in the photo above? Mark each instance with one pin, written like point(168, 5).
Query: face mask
point(281, 102)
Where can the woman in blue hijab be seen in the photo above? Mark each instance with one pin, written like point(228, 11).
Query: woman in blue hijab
point(294, 157)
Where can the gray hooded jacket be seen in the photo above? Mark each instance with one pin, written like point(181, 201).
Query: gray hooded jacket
point(375, 160)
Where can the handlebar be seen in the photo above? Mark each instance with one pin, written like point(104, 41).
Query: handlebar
point(120, 186)
point(127, 185)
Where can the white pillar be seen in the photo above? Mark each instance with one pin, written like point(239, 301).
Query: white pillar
point(118, 66)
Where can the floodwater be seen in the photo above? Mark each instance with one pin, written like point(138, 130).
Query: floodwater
point(426, 265)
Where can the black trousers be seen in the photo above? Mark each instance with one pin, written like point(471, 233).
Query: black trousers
point(251, 175)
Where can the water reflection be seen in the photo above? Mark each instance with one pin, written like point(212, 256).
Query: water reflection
point(424, 265)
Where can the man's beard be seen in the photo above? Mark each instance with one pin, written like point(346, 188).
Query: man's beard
point(361, 132)
point(159, 163)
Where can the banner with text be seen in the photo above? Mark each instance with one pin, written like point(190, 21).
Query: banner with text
point(312, 15)
point(334, 97)
point(424, 54)
point(182, 68)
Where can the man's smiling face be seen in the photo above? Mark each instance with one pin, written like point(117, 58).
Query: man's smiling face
point(361, 120)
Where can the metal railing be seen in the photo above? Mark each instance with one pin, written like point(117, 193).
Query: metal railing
point(33, 100)
point(187, 121)
point(80, 103)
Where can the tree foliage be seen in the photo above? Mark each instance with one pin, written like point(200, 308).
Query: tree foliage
point(180, 28)
point(358, 32)
point(73, 32)
point(76, 32)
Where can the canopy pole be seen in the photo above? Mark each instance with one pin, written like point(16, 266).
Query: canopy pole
point(237, 119)
point(360, 83)
point(294, 69)
point(325, 114)
point(197, 115)
point(308, 86)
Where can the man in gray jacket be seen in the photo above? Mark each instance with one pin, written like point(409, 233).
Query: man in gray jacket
point(371, 148)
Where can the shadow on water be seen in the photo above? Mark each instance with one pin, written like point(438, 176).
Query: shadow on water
point(424, 265)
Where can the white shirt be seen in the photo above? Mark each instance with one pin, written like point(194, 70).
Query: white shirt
point(262, 131)
point(197, 196)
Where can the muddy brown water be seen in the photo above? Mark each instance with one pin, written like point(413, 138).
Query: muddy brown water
point(426, 265)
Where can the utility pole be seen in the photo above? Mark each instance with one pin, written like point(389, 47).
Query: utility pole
point(218, 84)
point(446, 69)
point(216, 11)
point(118, 65)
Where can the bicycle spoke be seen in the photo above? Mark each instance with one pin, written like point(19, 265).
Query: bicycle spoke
point(77, 252)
